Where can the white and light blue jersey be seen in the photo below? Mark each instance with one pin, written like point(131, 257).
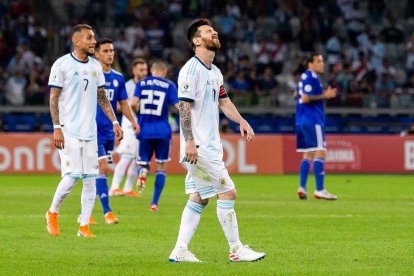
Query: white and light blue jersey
point(313, 112)
point(203, 87)
point(79, 82)
point(155, 94)
point(115, 91)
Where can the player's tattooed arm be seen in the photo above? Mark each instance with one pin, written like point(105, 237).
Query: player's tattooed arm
point(185, 120)
point(54, 105)
point(105, 104)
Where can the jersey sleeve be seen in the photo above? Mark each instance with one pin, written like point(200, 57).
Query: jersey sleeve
point(222, 92)
point(56, 75)
point(306, 85)
point(138, 89)
point(123, 95)
point(101, 77)
point(187, 80)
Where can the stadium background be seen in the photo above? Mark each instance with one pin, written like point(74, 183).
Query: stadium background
point(368, 48)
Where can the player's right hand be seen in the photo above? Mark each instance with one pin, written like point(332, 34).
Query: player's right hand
point(191, 152)
point(136, 127)
point(58, 138)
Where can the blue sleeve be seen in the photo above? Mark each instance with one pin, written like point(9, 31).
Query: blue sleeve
point(137, 92)
point(123, 95)
point(308, 86)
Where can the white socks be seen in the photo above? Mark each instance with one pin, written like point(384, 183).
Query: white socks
point(228, 220)
point(64, 187)
point(87, 199)
point(131, 176)
point(119, 172)
point(189, 222)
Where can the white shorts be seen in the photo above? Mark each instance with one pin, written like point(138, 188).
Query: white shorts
point(79, 157)
point(128, 146)
point(208, 178)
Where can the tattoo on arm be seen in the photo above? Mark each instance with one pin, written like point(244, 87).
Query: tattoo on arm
point(185, 120)
point(54, 105)
point(313, 98)
point(105, 104)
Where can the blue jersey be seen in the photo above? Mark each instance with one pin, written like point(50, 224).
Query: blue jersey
point(155, 94)
point(115, 91)
point(313, 112)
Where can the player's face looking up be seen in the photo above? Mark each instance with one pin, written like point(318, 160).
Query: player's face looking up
point(105, 53)
point(317, 65)
point(207, 37)
point(84, 41)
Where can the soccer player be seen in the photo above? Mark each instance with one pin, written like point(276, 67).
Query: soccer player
point(310, 126)
point(128, 147)
point(153, 95)
point(76, 87)
point(115, 92)
point(201, 94)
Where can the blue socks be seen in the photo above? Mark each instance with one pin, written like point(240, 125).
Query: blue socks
point(102, 192)
point(304, 172)
point(319, 171)
point(159, 185)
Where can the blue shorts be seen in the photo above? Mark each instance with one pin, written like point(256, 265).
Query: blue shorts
point(310, 138)
point(105, 149)
point(147, 147)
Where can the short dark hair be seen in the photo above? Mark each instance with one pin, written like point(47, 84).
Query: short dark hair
point(193, 30)
point(138, 61)
point(103, 41)
point(311, 58)
point(78, 28)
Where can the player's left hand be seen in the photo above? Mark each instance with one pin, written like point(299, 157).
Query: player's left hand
point(246, 128)
point(136, 127)
point(119, 134)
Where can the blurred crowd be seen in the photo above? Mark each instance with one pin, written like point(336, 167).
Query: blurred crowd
point(368, 45)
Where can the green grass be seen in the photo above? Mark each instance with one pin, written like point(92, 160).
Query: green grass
point(368, 231)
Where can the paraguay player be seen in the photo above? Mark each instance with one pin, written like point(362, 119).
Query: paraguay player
point(115, 92)
point(153, 96)
point(128, 147)
point(310, 126)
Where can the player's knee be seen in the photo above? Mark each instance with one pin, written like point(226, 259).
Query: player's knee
point(229, 195)
point(195, 197)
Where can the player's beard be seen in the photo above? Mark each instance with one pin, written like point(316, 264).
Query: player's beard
point(212, 44)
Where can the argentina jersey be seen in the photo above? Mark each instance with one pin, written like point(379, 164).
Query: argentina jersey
point(79, 82)
point(203, 87)
point(155, 94)
point(313, 112)
point(115, 91)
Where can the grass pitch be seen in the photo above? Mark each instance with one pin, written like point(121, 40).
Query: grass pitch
point(368, 231)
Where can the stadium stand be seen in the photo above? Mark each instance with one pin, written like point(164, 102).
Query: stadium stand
point(368, 46)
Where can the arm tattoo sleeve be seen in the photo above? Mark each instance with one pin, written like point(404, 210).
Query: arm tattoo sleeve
point(105, 104)
point(54, 105)
point(185, 120)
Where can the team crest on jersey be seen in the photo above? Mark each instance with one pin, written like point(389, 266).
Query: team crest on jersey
point(222, 181)
point(67, 163)
point(308, 88)
point(115, 83)
point(94, 74)
point(185, 88)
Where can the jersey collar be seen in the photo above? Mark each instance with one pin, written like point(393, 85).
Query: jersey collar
point(208, 68)
point(78, 60)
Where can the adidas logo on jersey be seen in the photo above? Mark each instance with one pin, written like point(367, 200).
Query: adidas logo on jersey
point(76, 73)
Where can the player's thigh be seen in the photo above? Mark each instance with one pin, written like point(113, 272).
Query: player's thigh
point(311, 137)
point(162, 150)
point(145, 150)
point(208, 178)
point(71, 156)
point(90, 157)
